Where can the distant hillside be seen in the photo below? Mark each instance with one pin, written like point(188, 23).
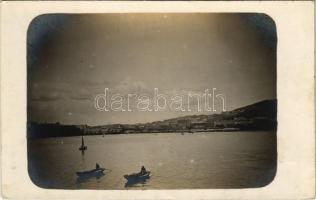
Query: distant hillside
point(267, 108)
point(258, 116)
point(255, 117)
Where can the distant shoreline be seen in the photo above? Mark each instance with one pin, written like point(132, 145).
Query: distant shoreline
point(153, 133)
point(260, 116)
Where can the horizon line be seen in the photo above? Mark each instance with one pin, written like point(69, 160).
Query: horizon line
point(56, 122)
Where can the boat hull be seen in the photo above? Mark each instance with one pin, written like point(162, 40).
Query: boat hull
point(137, 177)
point(90, 173)
point(83, 148)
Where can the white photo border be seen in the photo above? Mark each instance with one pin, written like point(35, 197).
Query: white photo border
point(295, 178)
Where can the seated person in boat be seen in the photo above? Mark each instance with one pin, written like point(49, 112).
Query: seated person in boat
point(143, 170)
point(97, 166)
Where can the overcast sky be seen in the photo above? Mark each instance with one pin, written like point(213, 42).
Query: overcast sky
point(72, 58)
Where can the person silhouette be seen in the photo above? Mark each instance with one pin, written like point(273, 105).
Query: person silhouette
point(143, 170)
point(97, 166)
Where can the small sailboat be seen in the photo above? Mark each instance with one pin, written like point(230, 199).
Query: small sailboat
point(82, 147)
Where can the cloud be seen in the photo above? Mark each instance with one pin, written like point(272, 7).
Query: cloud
point(59, 91)
point(128, 85)
point(90, 82)
point(81, 94)
point(47, 96)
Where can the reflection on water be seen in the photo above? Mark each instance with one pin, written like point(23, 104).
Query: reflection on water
point(199, 160)
point(135, 184)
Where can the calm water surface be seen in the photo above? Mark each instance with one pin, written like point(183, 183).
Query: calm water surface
point(199, 160)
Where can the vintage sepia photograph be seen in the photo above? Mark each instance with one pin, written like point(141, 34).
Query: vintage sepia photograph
point(139, 101)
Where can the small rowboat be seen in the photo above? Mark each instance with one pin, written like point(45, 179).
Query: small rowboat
point(90, 173)
point(137, 177)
